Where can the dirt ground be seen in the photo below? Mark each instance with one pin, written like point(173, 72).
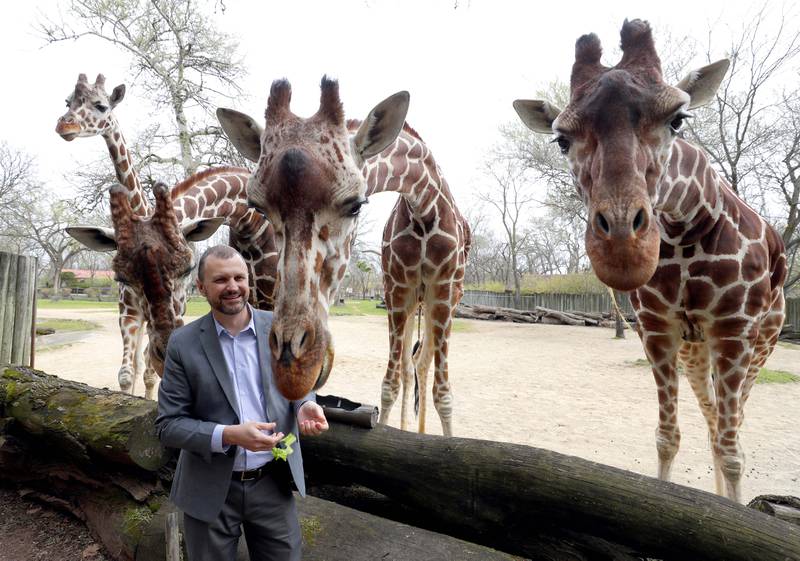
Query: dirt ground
point(30, 531)
point(575, 390)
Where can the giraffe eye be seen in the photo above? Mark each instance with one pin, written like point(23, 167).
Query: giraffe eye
point(563, 143)
point(354, 208)
point(677, 122)
point(100, 107)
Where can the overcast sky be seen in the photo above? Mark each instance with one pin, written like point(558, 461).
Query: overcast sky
point(463, 62)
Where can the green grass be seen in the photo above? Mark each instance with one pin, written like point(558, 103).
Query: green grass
point(62, 325)
point(197, 306)
point(767, 376)
point(357, 308)
point(46, 304)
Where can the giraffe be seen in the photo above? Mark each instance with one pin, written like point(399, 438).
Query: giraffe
point(425, 241)
point(219, 192)
point(90, 113)
point(154, 260)
point(201, 203)
point(308, 182)
point(424, 251)
point(705, 270)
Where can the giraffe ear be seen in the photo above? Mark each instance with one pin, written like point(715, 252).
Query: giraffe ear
point(243, 132)
point(98, 239)
point(201, 229)
point(117, 95)
point(381, 126)
point(538, 115)
point(702, 84)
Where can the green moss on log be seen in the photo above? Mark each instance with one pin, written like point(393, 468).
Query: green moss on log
point(310, 527)
point(134, 523)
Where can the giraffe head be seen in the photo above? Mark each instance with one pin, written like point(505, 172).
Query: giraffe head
point(153, 258)
point(308, 182)
point(617, 133)
point(89, 109)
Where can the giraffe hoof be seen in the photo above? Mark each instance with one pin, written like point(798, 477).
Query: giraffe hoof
point(125, 381)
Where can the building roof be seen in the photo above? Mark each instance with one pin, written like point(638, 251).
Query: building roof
point(87, 274)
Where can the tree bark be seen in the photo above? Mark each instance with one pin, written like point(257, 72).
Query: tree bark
point(497, 491)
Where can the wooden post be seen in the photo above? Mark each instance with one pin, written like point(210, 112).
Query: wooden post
point(172, 535)
point(9, 304)
point(17, 298)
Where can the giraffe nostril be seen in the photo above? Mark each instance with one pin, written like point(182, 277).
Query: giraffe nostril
point(601, 222)
point(639, 221)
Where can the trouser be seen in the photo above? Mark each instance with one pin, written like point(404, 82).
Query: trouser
point(264, 508)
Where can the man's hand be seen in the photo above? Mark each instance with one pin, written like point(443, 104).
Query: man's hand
point(249, 436)
point(311, 419)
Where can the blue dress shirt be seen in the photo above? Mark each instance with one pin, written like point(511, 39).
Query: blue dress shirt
point(241, 357)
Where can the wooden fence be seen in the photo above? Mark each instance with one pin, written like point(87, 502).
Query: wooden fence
point(793, 314)
point(585, 303)
point(17, 308)
point(561, 302)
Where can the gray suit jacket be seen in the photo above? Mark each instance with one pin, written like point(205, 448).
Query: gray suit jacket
point(195, 395)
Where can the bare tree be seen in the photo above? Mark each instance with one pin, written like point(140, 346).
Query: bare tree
point(40, 221)
point(780, 176)
point(745, 111)
point(177, 57)
point(512, 199)
point(16, 175)
point(486, 259)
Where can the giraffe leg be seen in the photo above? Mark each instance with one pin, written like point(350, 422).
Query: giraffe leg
point(150, 378)
point(442, 396)
point(131, 329)
point(422, 364)
point(390, 387)
point(696, 363)
point(662, 351)
point(732, 359)
point(407, 369)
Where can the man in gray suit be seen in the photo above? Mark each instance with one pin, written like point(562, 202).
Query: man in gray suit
point(218, 403)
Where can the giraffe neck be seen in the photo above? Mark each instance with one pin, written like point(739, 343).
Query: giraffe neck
point(691, 197)
point(219, 192)
point(407, 167)
point(123, 166)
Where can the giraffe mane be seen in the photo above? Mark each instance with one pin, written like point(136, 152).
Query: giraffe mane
point(181, 188)
point(355, 123)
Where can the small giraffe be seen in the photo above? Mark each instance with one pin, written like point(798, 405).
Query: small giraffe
point(706, 270)
point(154, 260)
point(425, 245)
point(201, 203)
point(90, 113)
point(308, 182)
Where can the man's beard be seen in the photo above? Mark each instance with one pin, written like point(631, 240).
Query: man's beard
point(230, 308)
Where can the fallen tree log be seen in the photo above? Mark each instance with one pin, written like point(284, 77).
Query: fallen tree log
point(783, 508)
point(539, 315)
point(86, 423)
point(125, 506)
point(534, 500)
point(495, 490)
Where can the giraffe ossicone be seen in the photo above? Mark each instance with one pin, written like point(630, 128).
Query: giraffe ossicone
point(705, 269)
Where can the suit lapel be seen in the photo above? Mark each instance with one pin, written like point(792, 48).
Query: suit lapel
point(262, 332)
point(210, 342)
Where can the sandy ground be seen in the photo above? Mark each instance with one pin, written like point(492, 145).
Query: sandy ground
point(575, 390)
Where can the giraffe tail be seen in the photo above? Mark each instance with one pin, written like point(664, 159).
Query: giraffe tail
point(417, 346)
